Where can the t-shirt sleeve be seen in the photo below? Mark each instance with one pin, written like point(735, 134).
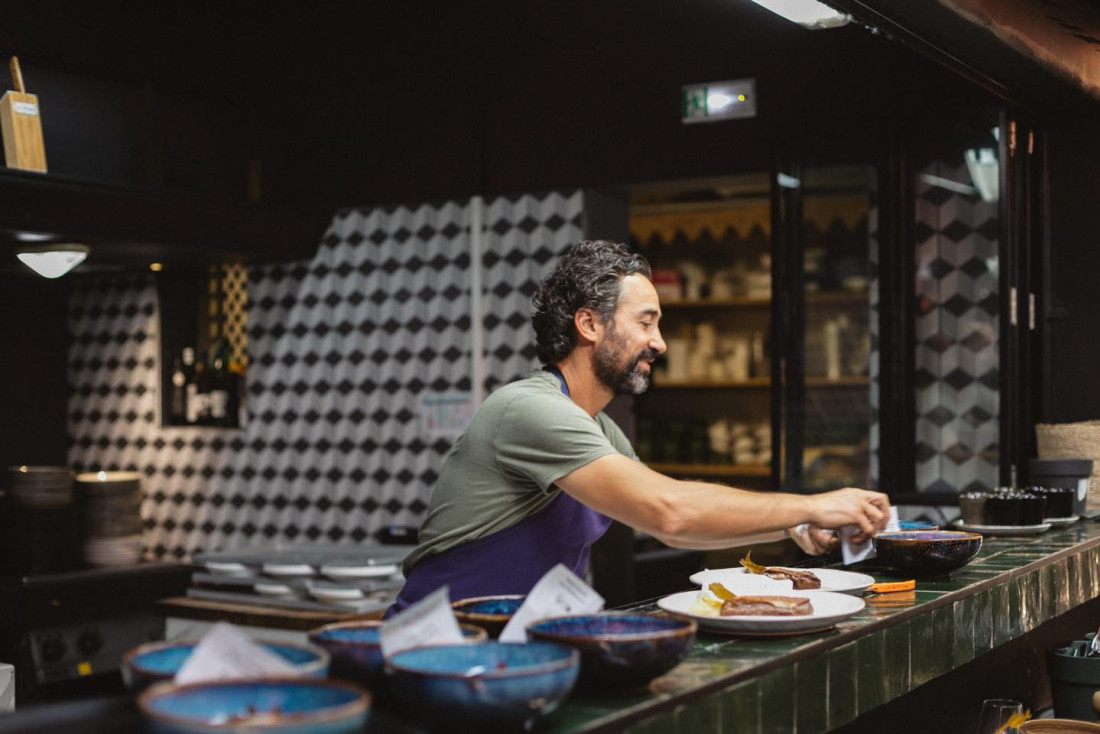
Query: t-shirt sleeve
point(541, 438)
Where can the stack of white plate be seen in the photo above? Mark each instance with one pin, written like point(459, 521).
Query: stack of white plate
point(121, 551)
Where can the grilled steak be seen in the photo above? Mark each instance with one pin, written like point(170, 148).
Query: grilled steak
point(758, 606)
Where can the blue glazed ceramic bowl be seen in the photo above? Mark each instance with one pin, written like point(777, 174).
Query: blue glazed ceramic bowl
point(492, 686)
point(160, 661)
point(284, 705)
point(491, 613)
point(619, 650)
point(927, 552)
point(356, 649)
point(917, 525)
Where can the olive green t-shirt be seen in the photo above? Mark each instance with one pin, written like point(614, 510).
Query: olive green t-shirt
point(502, 469)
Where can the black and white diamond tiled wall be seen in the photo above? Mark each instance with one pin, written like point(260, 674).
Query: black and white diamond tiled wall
point(341, 350)
point(957, 359)
point(523, 238)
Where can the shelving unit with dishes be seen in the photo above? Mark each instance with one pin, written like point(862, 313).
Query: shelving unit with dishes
point(710, 412)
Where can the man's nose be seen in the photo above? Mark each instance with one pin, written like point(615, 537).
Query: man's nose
point(657, 343)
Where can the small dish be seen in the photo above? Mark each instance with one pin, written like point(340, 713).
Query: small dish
point(490, 686)
point(356, 648)
point(288, 569)
point(155, 662)
point(1008, 531)
point(491, 613)
point(286, 705)
point(1060, 521)
point(281, 590)
point(620, 650)
point(227, 569)
point(335, 594)
point(926, 552)
point(351, 573)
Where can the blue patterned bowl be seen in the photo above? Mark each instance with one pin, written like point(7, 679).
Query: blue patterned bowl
point(491, 686)
point(285, 705)
point(159, 661)
point(927, 552)
point(917, 525)
point(356, 649)
point(488, 612)
point(619, 650)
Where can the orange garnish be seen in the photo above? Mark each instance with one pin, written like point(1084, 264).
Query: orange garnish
point(721, 592)
point(1014, 722)
point(752, 567)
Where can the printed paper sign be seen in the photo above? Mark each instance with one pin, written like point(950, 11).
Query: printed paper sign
point(557, 593)
point(428, 622)
point(227, 652)
point(856, 552)
point(444, 415)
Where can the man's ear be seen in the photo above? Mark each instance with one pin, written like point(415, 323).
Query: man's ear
point(588, 324)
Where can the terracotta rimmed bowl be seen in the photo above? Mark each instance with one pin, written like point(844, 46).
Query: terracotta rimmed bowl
point(619, 650)
point(154, 662)
point(491, 613)
point(356, 648)
point(927, 552)
point(285, 705)
point(487, 687)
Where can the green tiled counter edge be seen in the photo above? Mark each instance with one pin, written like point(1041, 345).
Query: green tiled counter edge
point(822, 681)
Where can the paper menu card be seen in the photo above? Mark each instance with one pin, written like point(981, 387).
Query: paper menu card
point(227, 652)
point(430, 621)
point(558, 592)
point(856, 552)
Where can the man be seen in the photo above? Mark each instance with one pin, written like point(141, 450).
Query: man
point(540, 472)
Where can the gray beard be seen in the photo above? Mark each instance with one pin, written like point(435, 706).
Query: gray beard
point(629, 381)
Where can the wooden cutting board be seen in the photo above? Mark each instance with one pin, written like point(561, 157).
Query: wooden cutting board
point(21, 126)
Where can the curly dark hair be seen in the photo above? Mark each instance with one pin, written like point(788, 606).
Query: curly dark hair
point(588, 275)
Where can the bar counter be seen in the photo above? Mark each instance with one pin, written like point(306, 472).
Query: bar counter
point(819, 682)
point(951, 629)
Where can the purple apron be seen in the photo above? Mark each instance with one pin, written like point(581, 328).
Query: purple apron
point(512, 560)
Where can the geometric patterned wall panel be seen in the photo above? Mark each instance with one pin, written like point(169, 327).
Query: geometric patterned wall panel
point(234, 310)
point(341, 349)
point(957, 350)
point(523, 237)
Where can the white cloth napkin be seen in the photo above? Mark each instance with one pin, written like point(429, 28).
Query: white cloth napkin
point(856, 552)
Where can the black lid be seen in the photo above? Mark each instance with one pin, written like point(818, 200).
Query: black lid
point(1061, 467)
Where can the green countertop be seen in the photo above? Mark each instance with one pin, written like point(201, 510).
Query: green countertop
point(824, 680)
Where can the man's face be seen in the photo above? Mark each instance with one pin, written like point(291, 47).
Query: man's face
point(631, 340)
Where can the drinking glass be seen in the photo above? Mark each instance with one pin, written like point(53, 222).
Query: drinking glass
point(995, 712)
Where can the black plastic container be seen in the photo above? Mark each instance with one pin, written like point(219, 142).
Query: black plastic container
point(1032, 509)
point(1071, 474)
point(1074, 677)
point(1059, 500)
point(972, 507)
point(1003, 509)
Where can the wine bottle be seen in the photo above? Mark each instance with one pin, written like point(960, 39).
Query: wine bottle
point(191, 387)
point(219, 383)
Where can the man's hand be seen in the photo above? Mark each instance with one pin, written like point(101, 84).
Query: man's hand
point(870, 511)
point(814, 540)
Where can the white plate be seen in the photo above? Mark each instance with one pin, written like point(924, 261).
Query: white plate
point(348, 573)
point(227, 569)
point(330, 594)
point(829, 608)
point(288, 569)
point(1008, 530)
point(844, 582)
point(1057, 521)
point(273, 589)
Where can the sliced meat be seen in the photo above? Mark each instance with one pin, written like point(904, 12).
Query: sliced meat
point(801, 579)
point(758, 606)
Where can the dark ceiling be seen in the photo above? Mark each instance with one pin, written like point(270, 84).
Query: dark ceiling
point(264, 53)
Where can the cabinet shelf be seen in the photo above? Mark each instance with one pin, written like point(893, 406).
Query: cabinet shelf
point(712, 470)
point(744, 301)
point(757, 383)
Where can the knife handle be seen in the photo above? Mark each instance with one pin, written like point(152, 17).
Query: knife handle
point(17, 75)
point(888, 586)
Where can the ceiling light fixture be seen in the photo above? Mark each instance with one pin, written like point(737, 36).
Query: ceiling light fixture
point(807, 13)
point(54, 260)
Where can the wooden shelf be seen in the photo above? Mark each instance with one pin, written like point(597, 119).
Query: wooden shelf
point(811, 298)
point(712, 470)
point(850, 381)
point(757, 383)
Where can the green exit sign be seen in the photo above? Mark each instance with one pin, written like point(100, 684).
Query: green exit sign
point(718, 101)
